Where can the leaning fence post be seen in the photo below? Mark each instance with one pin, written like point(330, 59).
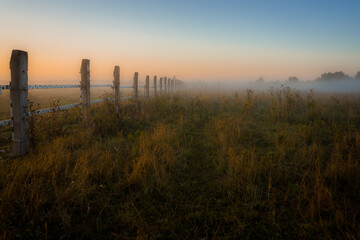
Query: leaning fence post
point(165, 84)
point(136, 78)
point(155, 85)
point(161, 83)
point(147, 86)
point(19, 102)
point(85, 90)
point(117, 88)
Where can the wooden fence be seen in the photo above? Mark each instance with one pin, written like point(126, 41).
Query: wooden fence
point(19, 96)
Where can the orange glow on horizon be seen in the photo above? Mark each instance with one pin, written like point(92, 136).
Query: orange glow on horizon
point(58, 34)
point(47, 67)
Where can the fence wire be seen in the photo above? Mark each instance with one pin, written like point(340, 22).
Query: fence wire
point(63, 107)
point(59, 108)
point(7, 87)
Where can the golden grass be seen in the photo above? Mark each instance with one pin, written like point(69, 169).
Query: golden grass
point(279, 165)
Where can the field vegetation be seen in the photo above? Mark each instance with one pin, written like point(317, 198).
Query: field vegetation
point(277, 164)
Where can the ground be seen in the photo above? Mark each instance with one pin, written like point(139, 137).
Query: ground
point(280, 164)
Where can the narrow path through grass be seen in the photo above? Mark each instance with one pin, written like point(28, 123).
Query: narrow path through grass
point(196, 187)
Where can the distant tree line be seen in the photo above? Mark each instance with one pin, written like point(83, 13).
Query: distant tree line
point(293, 79)
point(260, 80)
point(335, 76)
point(357, 76)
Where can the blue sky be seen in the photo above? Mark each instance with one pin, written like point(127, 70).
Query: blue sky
point(244, 38)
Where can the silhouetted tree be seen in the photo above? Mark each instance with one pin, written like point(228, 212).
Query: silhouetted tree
point(357, 76)
point(333, 76)
point(293, 79)
point(260, 80)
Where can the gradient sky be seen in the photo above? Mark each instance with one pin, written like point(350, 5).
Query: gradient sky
point(192, 39)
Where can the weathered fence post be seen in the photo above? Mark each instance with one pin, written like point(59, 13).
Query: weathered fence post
point(155, 85)
point(168, 85)
point(161, 85)
point(117, 88)
point(136, 79)
point(147, 86)
point(19, 102)
point(165, 85)
point(85, 90)
point(172, 85)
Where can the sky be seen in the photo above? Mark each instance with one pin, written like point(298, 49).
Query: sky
point(194, 40)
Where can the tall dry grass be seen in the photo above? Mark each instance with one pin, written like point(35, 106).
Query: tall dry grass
point(302, 170)
point(281, 164)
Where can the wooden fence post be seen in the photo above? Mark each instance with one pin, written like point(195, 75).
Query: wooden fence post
point(172, 85)
point(85, 90)
point(19, 102)
point(155, 85)
point(136, 79)
point(161, 85)
point(147, 86)
point(117, 88)
point(169, 85)
point(165, 84)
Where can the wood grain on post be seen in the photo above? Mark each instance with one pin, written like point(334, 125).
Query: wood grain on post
point(117, 88)
point(85, 90)
point(155, 85)
point(19, 102)
point(147, 86)
point(165, 84)
point(136, 80)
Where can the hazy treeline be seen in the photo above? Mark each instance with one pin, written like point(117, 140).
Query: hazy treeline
point(327, 82)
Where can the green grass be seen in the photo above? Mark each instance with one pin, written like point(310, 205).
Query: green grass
point(275, 165)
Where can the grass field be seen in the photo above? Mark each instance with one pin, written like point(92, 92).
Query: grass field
point(278, 164)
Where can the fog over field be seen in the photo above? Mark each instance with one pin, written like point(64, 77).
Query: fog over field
point(345, 86)
point(331, 86)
